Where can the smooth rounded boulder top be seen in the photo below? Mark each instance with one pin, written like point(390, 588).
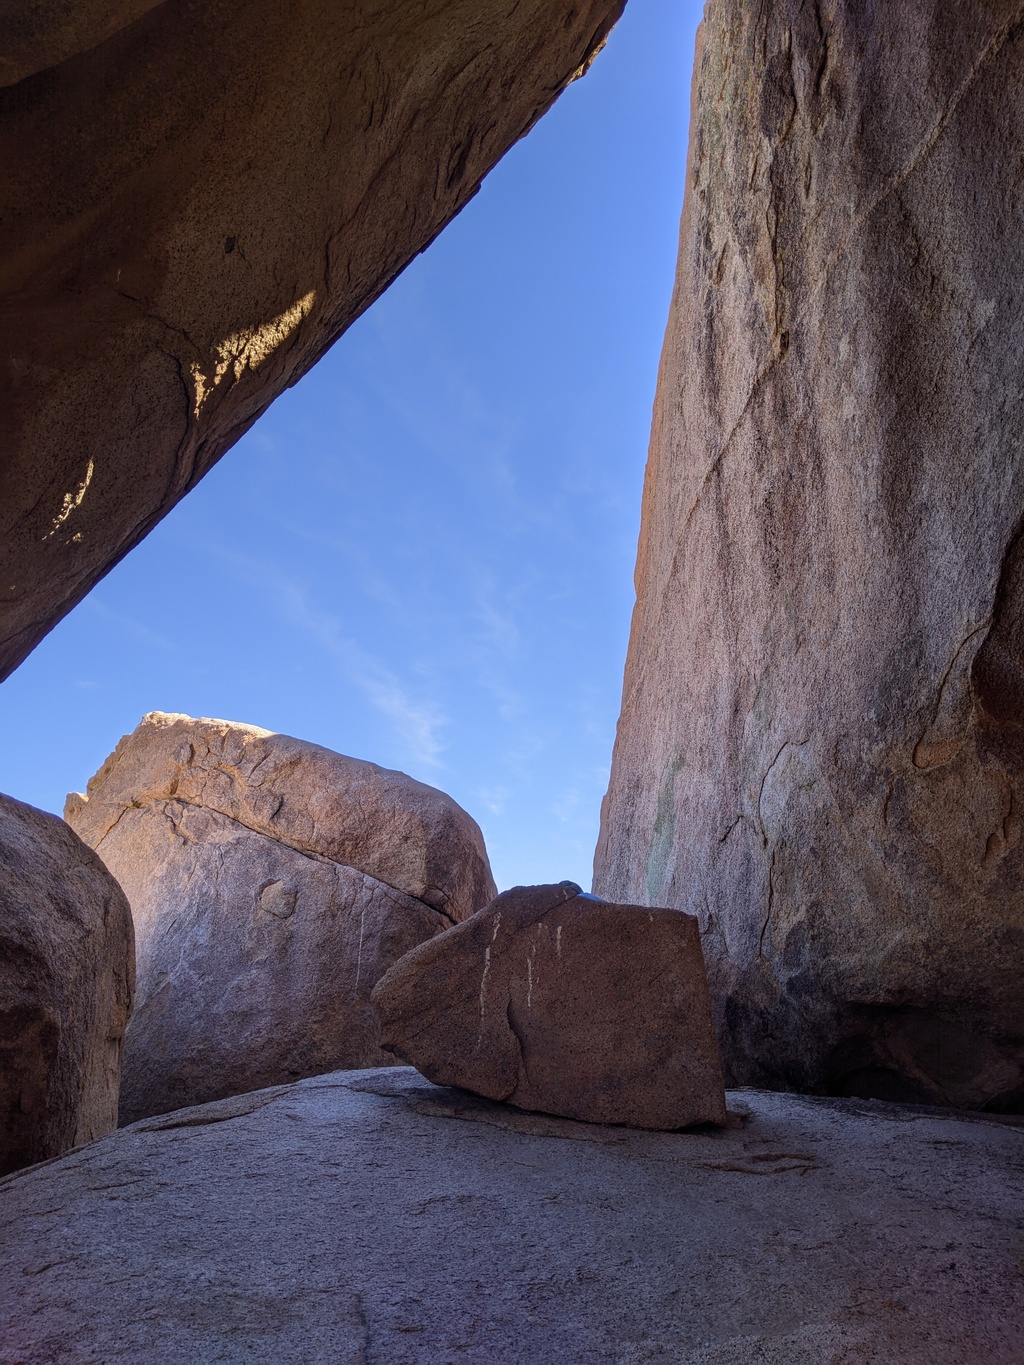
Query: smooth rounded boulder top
point(399, 831)
point(555, 1001)
point(67, 972)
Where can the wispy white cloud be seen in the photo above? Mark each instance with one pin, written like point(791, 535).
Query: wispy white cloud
point(361, 562)
point(447, 409)
point(493, 799)
point(567, 805)
point(417, 723)
point(498, 629)
point(135, 630)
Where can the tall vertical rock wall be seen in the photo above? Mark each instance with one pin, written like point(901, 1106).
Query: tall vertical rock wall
point(821, 748)
point(198, 197)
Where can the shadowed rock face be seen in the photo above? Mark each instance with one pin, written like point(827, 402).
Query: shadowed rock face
point(200, 196)
point(67, 972)
point(821, 746)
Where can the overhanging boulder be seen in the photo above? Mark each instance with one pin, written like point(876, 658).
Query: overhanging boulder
point(199, 197)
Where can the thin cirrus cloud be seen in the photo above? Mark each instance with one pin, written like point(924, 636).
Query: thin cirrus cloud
point(493, 799)
point(417, 724)
point(127, 625)
point(498, 630)
point(445, 413)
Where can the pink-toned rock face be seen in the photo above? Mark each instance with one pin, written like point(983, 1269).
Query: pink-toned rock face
point(557, 1002)
point(67, 971)
point(820, 750)
point(272, 883)
point(199, 197)
point(381, 822)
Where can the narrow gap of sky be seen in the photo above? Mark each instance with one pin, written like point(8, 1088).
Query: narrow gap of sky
point(422, 555)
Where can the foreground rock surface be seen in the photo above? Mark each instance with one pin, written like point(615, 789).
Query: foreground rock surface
point(821, 746)
point(199, 198)
point(272, 883)
point(67, 968)
point(375, 1218)
point(554, 1001)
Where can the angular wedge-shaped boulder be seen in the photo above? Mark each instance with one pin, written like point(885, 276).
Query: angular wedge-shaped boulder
point(556, 1001)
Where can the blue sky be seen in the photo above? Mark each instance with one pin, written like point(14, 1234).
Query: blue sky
point(422, 554)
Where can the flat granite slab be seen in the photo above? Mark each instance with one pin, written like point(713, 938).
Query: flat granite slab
point(368, 1216)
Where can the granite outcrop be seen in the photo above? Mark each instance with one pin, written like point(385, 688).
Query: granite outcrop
point(373, 1217)
point(199, 197)
point(821, 745)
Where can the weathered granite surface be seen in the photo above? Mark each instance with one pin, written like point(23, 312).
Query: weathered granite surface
point(373, 1217)
point(821, 745)
point(272, 883)
point(67, 973)
point(553, 1000)
point(382, 822)
point(199, 197)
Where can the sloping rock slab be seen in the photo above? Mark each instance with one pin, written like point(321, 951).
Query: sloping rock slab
point(67, 971)
point(359, 1217)
point(556, 1001)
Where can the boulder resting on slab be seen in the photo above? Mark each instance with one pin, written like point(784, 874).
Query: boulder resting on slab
point(372, 1218)
point(272, 883)
point(555, 1001)
point(67, 970)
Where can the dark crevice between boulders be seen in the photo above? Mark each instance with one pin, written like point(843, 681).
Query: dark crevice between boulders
point(217, 1111)
point(449, 1102)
